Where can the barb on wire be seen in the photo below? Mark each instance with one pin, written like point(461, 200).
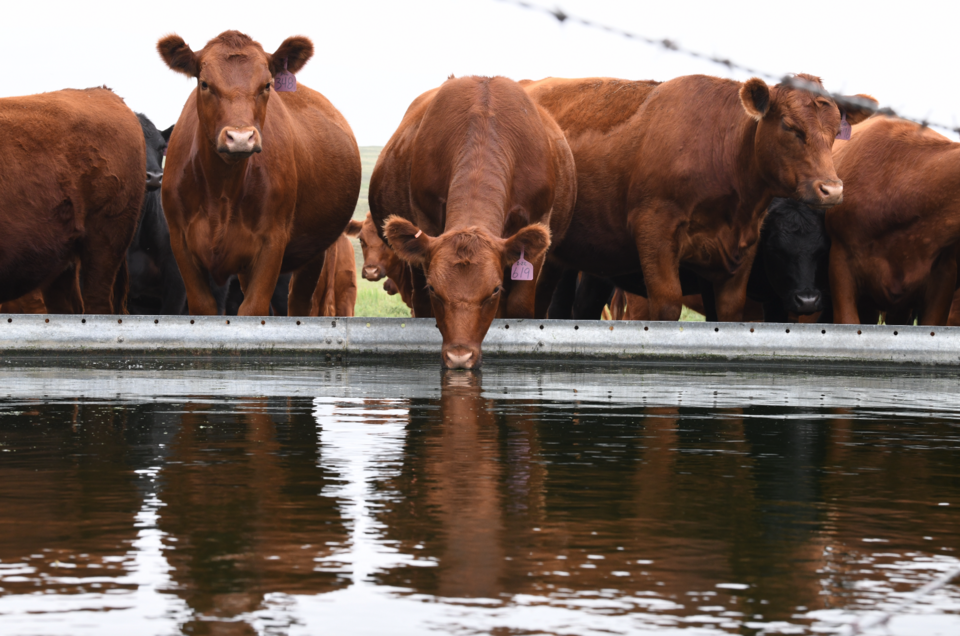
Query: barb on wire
point(671, 45)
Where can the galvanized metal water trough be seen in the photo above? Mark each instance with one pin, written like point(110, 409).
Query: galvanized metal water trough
point(44, 336)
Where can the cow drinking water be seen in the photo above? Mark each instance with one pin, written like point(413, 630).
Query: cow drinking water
point(476, 177)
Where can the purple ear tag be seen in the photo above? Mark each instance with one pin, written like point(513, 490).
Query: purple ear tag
point(844, 127)
point(522, 270)
point(285, 81)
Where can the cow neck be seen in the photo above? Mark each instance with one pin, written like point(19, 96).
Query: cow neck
point(478, 196)
point(740, 153)
point(223, 180)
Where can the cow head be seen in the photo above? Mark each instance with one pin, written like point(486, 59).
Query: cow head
point(464, 271)
point(794, 138)
point(796, 253)
point(156, 147)
point(234, 83)
point(378, 258)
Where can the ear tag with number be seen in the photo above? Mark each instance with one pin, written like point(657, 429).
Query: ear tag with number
point(522, 270)
point(844, 128)
point(285, 81)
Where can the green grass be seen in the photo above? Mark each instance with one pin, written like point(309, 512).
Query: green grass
point(691, 316)
point(368, 159)
point(373, 302)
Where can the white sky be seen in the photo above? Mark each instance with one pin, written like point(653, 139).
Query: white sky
point(374, 56)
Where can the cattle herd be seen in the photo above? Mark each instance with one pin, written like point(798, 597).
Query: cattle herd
point(494, 198)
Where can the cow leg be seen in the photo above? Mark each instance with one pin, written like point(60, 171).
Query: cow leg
point(422, 308)
point(843, 288)
point(200, 300)
point(939, 293)
point(709, 298)
point(561, 303)
point(62, 294)
point(593, 294)
point(660, 264)
point(303, 285)
point(731, 294)
point(174, 295)
point(546, 286)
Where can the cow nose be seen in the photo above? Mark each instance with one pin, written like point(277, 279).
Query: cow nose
point(807, 303)
point(459, 358)
point(153, 180)
point(241, 140)
point(831, 192)
point(372, 273)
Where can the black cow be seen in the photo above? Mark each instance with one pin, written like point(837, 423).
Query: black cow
point(156, 286)
point(789, 273)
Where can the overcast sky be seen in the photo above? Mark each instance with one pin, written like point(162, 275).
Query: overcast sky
point(374, 56)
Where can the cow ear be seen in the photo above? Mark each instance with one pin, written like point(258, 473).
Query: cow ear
point(178, 55)
point(532, 241)
point(755, 97)
point(296, 50)
point(407, 240)
point(166, 134)
point(353, 228)
point(856, 114)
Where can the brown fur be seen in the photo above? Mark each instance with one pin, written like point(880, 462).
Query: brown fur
point(380, 261)
point(31, 303)
point(896, 236)
point(276, 209)
point(71, 184)
point(336, 292)
point(680, 174)
point(475, 175)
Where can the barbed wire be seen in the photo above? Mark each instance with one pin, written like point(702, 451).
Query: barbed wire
point(673, 46)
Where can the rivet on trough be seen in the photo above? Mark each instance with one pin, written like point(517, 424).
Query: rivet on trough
point(823, 331)
point(505, 326)
point(191, 322)
point(895, 333)
point(83, 321)
point(263, 322)
point(228, 322)
point(156, 322)
point(119, 338)
point(120, 321)
point(859, 332)
point(788, 331)
point(751, 329)
point(339, 340)
point(298, 323)
point(48, 320)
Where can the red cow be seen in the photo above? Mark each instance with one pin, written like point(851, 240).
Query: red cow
point(896, 236)
point(468, 185)
point(72, 170)
point(336, 292)
point(679, 174)
point(256, 182)
point(379, 261)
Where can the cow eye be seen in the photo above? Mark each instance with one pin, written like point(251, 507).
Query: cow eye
point(430, 290)
point(362, 243)
point(496, 292)
point(204, 85)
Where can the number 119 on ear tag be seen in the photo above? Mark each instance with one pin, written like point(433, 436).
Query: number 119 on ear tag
point(522, 269)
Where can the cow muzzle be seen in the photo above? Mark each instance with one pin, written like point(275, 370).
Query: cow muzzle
point(373, 272)
point(806, 302)
point(154, 180)
point(823, 193)
point(239, 141)
point(461, 357)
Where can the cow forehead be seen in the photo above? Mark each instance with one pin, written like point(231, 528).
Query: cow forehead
point(808, 107)
point(234, 66)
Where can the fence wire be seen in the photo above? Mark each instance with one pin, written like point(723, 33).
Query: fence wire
point(674, 47)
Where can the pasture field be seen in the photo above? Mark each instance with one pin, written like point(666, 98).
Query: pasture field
point(372, 301)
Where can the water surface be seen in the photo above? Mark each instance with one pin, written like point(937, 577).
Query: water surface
point(600, 499)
